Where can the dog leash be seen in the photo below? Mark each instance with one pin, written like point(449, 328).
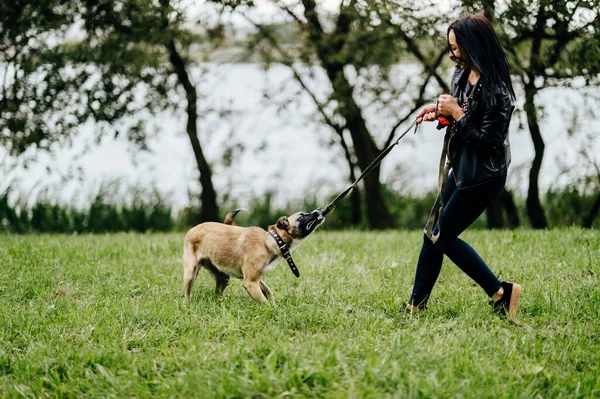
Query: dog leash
point(369, 168)
point(285, 252)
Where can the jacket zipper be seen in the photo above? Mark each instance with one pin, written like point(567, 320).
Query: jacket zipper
point(448, 148)
point(449, 160)
point(492, 162)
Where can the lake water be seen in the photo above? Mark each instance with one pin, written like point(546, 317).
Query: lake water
point(285, 150)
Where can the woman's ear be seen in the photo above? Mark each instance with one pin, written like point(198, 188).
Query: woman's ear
point(283, 223)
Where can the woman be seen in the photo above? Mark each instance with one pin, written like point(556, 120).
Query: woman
point(474, 161)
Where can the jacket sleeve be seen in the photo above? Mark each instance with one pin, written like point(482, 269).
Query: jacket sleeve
point(490, 133)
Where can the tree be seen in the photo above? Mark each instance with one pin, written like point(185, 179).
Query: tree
point(548, 43)
point(129, 47)
point(583, 171)
point(594, 163)
point(32, 84)
point(362, 37)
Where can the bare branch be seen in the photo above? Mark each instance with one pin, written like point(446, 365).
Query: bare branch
point(288, 61)
point(414, 49)
point(310, 13)
point(515, 57)
point(343, 22)
point(296, 18)
point(418, 103)
point(321, 107)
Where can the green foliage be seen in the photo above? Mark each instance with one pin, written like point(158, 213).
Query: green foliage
point(53, 82)
point(549, 39)
point(142, 210)
point(569, 206)
point(36, 88)
point(11, 219)
point(147, 210)
point(102, 316)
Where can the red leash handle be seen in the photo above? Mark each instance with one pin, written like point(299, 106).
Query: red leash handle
point(443, 120)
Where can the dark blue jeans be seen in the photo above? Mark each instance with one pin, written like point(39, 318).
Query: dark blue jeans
point(463, 207)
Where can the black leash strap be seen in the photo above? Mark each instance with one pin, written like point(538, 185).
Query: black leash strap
point(444, 170)
point(285, 252)
point(368, 169)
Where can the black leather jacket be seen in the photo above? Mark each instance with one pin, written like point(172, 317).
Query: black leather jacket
point(478, 146)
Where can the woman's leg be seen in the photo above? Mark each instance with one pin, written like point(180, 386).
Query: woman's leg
point(462, 208)
point(430, 258)
point(429, 266)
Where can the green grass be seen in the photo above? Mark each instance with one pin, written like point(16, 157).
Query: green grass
point(102, 316)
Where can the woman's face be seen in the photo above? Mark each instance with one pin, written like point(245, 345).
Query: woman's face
point(454, 51)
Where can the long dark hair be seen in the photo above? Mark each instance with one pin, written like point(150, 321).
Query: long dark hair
point(481, 49)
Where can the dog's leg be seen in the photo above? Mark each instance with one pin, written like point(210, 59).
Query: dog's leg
point(220, 278)
point(253, 288)
point(267, 292)
point(190, 270)
point(252, 284)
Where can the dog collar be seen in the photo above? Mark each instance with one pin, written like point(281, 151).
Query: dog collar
point(285, 252)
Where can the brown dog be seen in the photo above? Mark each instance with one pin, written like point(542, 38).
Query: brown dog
point(243, 252)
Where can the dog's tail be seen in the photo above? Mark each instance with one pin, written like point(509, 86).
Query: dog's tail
point(231, 215)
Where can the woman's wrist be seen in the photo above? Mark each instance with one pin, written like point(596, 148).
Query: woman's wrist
point(458, 115)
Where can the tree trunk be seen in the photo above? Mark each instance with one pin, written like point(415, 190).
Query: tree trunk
point(355, 202)
point(494, 214)
point(209, 211)
point(328, 48)
point(534, 207)
point(366, 151)
point(503, 205)
point(589, 219)
point(489, 7)
point(512, 214)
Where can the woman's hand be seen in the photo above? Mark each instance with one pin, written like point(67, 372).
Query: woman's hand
point(448, 106)
point(427, 114)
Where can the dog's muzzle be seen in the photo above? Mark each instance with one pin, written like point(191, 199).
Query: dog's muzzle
point(314, 220)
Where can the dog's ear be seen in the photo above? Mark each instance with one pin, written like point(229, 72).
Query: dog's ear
point(283, 223)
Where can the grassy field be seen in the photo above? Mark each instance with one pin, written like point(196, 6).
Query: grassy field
point(102, 316)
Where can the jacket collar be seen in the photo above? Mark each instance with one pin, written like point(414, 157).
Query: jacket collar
point(458, 80)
